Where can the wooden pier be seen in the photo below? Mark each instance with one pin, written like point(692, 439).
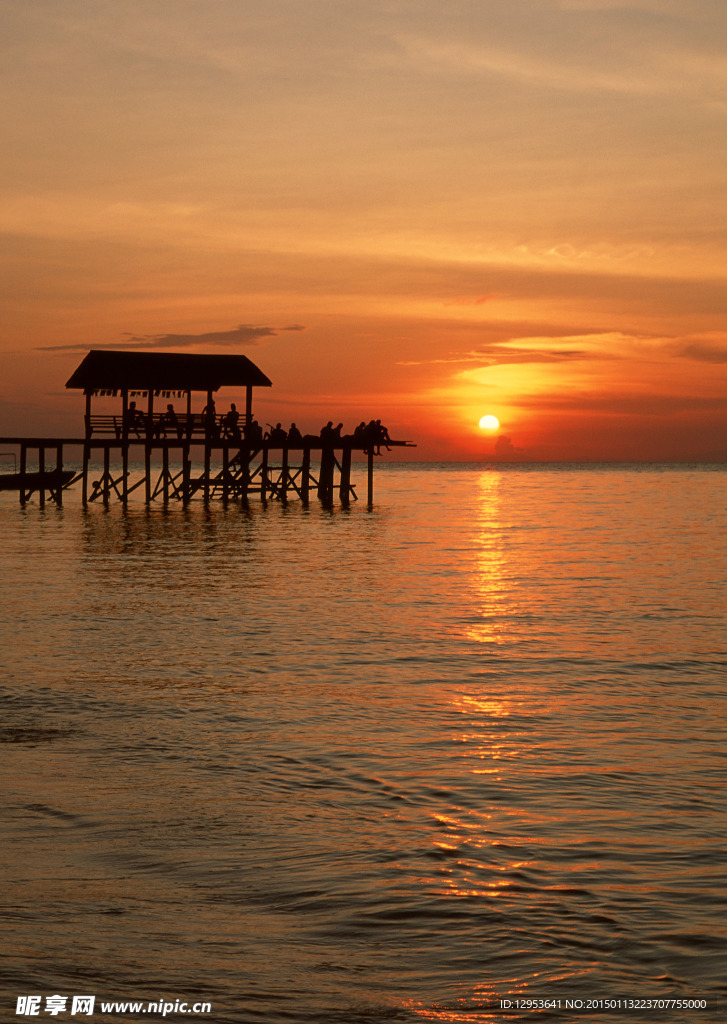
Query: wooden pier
point(182, 456)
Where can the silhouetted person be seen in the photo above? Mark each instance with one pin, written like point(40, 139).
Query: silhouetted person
point(371, 435)
point(254, 433)
point(294, 435)
point(232, 422)
point(168, 421)
point(382, 436)
point(133, 420)
point(327, 432)
point(277, 436)
point(209, 416)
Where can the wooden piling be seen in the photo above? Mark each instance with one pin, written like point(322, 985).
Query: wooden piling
point(207, 465)
point(59, 470)
point(23, 468)
point(263, 475)
point(165, 475)
point(325, 479)
point(225, 473)
point(106, 480)
point(186, 474)
point(41, 471)
point(284, 476)
point(147, 470)
point(344, 490)
point(305, 475)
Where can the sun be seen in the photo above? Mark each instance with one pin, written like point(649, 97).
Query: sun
point(489, 423)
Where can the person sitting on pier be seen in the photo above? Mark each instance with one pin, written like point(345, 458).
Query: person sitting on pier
point(209, 417)
point(359, 434)
point(371, 437)
point(231, 423)
point(382, 436)
point(277, 436)
point(295, 438)
point(167, 421)
point(133, 420)
point(254, 433)
point(327, 432)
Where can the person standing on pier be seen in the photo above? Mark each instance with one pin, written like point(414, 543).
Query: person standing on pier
point(209, 416)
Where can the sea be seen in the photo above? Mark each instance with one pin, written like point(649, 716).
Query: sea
point(459, 755)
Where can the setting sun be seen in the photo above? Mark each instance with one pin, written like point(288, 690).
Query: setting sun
point(489, 423)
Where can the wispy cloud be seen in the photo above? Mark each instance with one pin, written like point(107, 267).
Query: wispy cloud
point(704, 353)
point(242, 335)
point(530, 350)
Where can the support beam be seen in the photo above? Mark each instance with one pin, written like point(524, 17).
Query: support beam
point(284, 476)
point(225, 473)
point(248, 407)
point(186, 473)
point(23, 468)
point(59, 470)
point(41, 471)
point(147, 470)
point(88, 413)
point(106, 481)
point(264, 475)
point(207, 468)
point(305, 475)
point(165, 474)
point(344, 490)
point(325, 478)
point(84, 484)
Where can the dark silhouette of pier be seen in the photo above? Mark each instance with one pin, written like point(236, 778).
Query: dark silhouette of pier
point(187, 454)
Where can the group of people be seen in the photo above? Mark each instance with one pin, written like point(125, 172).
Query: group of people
point(135, 422)
point(368, 436)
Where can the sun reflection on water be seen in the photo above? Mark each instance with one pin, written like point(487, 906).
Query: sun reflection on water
point(492, 600)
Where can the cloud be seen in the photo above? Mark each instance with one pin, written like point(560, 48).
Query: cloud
point(505, 449)
point(639, 405)
point(243, 334)
point(521, 350)
point(704, 353)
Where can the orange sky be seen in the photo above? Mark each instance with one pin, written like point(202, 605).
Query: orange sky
point(401, 209)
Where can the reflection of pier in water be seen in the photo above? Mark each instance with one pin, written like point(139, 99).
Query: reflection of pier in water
point(185, 455)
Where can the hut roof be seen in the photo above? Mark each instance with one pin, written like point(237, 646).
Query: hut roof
point(165, 371)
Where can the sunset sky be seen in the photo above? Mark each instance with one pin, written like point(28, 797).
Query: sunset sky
point(407, 209)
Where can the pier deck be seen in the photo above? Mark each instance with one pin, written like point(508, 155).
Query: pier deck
point(191, 467)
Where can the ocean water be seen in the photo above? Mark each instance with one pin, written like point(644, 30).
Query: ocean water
point(400, 763)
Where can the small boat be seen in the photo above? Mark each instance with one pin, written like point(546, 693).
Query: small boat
point(51, 480)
